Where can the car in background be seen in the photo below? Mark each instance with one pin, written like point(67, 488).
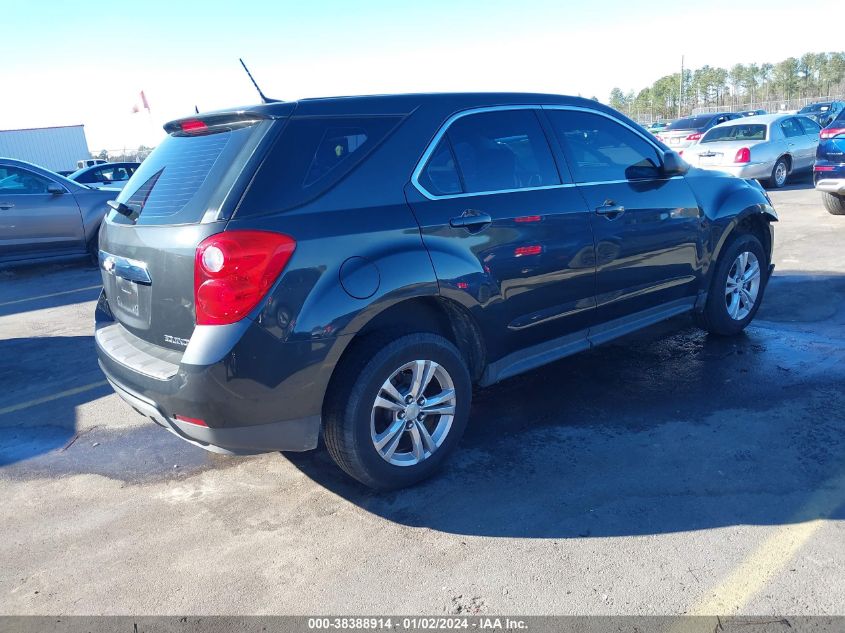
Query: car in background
point(45, 216)
point(823, 112)
point(112, 175)
point(767, 147)
point(348, 268)
point(682, 133)
point(829, 170)
point(752, 112)
point(657, 126)
point(90, 162)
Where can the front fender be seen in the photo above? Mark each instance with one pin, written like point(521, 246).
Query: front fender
point(727, 202)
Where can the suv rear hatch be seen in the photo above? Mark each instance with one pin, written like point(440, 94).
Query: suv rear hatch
point(181, 194)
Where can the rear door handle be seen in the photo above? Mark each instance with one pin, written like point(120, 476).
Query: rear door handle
point(610, 210)
point(471, 220)
point(6, 205)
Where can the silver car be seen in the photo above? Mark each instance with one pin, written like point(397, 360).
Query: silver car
point(45, 216)
point(769, 147)
point(683, 133)
point(108, 175)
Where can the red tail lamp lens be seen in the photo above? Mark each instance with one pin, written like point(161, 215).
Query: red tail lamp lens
point(234, 270)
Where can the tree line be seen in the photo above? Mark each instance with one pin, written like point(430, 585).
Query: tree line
point(811, 75)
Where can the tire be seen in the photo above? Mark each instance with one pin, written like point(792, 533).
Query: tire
point(834, 204)
point(726, 312)
point(93, 247)
point(780, 174)
point(354, 422)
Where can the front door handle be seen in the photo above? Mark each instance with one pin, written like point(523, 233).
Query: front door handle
point(610, 210)
point(471, 220)
point(6, 205)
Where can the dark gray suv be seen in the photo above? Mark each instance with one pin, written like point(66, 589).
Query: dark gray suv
point(351, 267)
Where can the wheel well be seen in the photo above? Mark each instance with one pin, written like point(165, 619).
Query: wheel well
point(428, 314)
point(755, 224)
point(788, 159)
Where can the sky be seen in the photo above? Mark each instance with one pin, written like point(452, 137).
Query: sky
point(65, 62)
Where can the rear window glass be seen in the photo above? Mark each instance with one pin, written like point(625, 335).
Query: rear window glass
point(690, 123)
point(185, 176)
point(311, 155)
point(751, 132)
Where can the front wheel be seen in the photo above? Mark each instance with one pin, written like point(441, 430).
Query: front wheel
point(398, 409)
point(737, 288)
point(834, 204)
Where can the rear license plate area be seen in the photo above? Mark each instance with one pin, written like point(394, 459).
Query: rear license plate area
point(126, 296)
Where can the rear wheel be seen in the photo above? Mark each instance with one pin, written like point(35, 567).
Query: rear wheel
point(737, 288)
point(398, 409)
point(93, 247)
point(834, 204)
point(780, 172)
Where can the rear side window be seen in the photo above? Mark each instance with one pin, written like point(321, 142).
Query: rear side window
point(502, 151)
point(186, 175)
point(311, 155)
point(791, 129)
point(599, 149)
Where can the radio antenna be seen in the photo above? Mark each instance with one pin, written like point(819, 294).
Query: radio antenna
point(264, 98)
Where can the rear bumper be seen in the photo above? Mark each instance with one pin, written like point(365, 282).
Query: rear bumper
point(255, 393)
point(290, 435)
point(831, 185)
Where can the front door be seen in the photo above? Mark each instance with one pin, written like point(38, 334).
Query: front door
point(35, 222)
point(647, 227)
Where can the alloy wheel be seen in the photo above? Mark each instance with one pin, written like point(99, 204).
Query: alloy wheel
point(742, 285)
point(412, 413)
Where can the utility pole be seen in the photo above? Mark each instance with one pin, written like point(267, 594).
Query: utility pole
point(681, 88)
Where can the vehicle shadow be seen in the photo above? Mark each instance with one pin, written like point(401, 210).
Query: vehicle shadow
point(24, 289)
point(33, 371)
point(667, 430)
point(798, 182)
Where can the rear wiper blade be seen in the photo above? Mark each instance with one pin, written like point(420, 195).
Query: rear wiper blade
point(122, 209)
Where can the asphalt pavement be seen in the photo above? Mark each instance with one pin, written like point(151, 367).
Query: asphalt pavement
point(666, 473)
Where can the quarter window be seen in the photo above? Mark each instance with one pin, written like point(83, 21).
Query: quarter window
point(502, 151)
point(599, 149)
point(440, 175)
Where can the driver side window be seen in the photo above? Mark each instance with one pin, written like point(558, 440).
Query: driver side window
point(14, 180)
point(599, 149)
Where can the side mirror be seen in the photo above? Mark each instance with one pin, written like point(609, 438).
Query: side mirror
point(674, 165)
point(55, 189)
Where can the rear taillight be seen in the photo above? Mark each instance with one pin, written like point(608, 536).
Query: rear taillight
point(195, 421)
point(824, 168)
point(234, 270)
point(743, 156)
point(830, 132)
point(695, 137)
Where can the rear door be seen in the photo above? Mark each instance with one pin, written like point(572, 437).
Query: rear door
point(181, 194)
point(811, 137)
point(507, 233)
point(647, 227)
point(33, 221)
point(801, 149)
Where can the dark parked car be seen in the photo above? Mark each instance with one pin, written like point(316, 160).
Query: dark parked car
point(45, 216)
point(681, 133)
point(823, 112)
point(351, 267)
point(829, 169)
point(753, 112)
point(110, 175)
